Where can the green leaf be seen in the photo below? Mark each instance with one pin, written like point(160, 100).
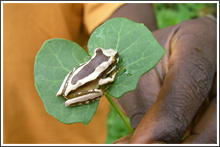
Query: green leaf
point(139, 52)
point(54, 61)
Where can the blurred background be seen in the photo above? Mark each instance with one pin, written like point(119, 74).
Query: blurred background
point(167, 15)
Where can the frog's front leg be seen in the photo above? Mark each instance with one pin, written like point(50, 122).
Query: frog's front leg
point(108, 79)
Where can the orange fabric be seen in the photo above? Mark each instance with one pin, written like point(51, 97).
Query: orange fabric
point(95, 14)
point(25, 28)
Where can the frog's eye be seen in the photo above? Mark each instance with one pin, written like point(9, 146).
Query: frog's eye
point(116, 58)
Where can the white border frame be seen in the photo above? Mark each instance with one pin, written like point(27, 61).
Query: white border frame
point(2, 2)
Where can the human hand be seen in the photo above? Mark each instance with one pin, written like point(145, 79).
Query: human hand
point(169, 97)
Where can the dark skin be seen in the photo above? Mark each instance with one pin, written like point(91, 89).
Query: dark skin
point(179, 94)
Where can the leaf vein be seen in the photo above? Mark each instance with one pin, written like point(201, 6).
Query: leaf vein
point(133, 43)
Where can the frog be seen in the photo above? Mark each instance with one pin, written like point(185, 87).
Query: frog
point(91, 80)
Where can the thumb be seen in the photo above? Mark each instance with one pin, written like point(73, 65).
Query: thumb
point(192, 66)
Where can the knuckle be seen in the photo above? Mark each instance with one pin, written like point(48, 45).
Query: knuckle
point(195, 79)
point(176, 128)
point(172, 135)
point(169, 129)
point(202, 73)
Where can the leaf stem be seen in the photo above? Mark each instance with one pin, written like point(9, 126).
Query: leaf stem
point(120, 113)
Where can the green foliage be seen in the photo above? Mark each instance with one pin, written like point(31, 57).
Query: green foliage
point(136, 46)
point(116, 127)
point(173, 13)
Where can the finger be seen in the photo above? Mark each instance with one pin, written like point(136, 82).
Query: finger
point(192, 66)
point(137, 102)
point(123, 140)
point(206, 129)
